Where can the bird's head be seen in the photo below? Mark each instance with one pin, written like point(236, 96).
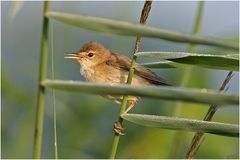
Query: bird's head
point(92, 53)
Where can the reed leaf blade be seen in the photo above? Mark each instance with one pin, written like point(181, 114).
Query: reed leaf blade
point(174, 123)
point(221, 62)
point(130, 29)
point(168, 93)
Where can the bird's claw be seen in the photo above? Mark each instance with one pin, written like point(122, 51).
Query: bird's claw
point(118, 128)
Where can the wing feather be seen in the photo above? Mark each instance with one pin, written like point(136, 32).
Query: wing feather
point(123, 62)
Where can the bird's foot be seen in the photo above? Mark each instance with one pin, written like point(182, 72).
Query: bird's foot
point(118, 127)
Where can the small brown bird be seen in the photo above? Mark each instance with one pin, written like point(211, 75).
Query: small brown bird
point(98, 64)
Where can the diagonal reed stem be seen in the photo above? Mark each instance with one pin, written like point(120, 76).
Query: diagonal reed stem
point(186, 78)
point(145, 12)
point(198, 137)
point(41, 89)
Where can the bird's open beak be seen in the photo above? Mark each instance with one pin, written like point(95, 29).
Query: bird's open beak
point(71, 56)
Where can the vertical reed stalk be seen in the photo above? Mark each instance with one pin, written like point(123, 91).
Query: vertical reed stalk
point(54, 100)
point(186, 77)
point(145, 12)
point(199, 137)
point(41, 89)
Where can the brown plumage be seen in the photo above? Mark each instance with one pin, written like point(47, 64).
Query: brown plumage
point(100, 65)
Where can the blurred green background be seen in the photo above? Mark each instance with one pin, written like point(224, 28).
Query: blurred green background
point(85, 122)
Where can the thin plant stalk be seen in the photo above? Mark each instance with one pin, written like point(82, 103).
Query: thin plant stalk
point(198, 137)
point(186, 78)
point(145, 12)
point(41, 89)
point(54, 100)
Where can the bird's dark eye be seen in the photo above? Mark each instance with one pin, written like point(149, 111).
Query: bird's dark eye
point(90, 54)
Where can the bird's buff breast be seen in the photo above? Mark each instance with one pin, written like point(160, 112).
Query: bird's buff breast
point(110, 76)
point(99, 75)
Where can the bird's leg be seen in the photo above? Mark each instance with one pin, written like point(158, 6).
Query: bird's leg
point(131, 104)
point(118, 128)
point(117, 125)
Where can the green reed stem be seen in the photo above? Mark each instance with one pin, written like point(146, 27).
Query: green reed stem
point(41, 89)
point(186, 77)
point(122, 109)
point(145, 12)
point(54, 100)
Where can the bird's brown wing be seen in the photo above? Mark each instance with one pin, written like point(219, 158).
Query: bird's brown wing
point(123, 62)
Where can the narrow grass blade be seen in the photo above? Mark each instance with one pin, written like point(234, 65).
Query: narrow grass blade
point(130, 29)
point(169, 93)
point(54, 99)
point(174, 123)
point(222, 62)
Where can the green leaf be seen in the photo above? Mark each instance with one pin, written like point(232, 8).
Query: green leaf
point(130, 29)
point(174, 123)
point(223, 62)
point(169, 93)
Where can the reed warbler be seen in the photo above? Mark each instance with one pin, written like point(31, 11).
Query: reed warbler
point(98, 64)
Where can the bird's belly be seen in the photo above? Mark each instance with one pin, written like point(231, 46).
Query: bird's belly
point(116, 76)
